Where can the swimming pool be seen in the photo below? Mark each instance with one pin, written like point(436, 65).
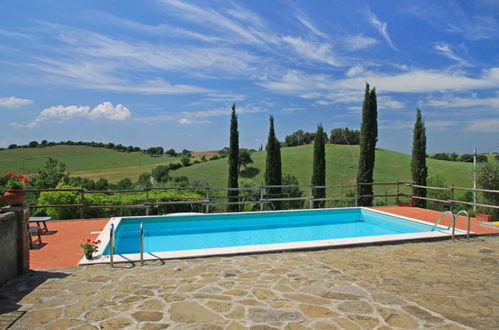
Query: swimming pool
point(176, 236)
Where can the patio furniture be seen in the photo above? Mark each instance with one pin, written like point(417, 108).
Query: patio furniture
point(37, 230)
point(39, 220)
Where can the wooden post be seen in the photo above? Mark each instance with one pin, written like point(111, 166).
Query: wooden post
point(148, 206)
point(261, 198)
point(82, 202)
point(207, 197)
point(452, 198)
point(311, 202)
point(356, 194)
point(398, 191)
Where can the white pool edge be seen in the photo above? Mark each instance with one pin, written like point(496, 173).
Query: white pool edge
point(246, 249)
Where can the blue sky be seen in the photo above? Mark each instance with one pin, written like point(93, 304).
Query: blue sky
point(165, 72)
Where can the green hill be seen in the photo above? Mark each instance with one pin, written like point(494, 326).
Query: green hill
point(82, 161)
point(341, 167)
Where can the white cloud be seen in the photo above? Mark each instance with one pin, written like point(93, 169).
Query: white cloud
point(318, 52)
point(303, 20)
point(14, 34)
point(446, 51)
point(13, 102)
point(359, 41)
point(104, 110)
point(490, 125)
point(382, 28)
point(186, 121)
point(386, 102)
point(463, 102)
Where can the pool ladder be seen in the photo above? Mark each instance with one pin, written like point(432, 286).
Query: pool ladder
point(111, 244)
point(453, 223)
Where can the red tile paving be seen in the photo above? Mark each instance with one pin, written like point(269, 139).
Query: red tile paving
point(432, 217)
point(61, 244)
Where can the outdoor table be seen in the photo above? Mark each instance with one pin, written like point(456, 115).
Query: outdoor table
point(40, 219)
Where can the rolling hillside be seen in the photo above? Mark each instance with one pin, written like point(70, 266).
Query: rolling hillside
point(341, 167)
point(84, 161)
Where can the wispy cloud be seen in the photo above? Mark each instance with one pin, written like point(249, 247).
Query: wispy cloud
point(489, 125)
point(13, 102)
point(382, 27)
point(14, 34)
point(317, 52)
point(463, 102)
point(309, 25)
point(359, 41)
point(445, 50)
point(62, 113)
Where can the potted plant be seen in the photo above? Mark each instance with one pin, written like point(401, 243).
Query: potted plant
point(14, 193)
point(89, 247)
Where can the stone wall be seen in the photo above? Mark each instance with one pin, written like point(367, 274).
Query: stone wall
point(14, 242)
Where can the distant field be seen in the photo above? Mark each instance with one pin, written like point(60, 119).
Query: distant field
point(82, 161)
point(341, 167)
point(95, 163)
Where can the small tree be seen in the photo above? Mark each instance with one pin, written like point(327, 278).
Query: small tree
point(244, 158)
point(232, 195)
point(419, 170)
point(292, 192)
point(51, 174)
point(160, 173)
point(273, 170)
point(368, 139)
point(488, 178)
point(319, 167)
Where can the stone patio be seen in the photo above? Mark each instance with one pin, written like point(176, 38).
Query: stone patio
point(442, 285)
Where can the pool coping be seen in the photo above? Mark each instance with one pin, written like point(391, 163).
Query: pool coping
point(260, 248)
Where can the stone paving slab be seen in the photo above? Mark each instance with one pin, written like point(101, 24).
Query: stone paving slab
point(441, 285)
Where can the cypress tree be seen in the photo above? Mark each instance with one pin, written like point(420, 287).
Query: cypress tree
point(273, 171)
point(419, 170)
point(319, 167)
point(368, 139)
point(233, 162)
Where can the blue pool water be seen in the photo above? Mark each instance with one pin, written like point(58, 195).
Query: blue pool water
point(174, 233)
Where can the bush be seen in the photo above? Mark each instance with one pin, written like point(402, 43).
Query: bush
point(69, 197)
point(488, 178)
point(438, 181)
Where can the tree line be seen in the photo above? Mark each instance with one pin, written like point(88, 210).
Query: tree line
point(337, 136)
point(453, 157)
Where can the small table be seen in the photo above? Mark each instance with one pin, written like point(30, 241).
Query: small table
point(38, 220)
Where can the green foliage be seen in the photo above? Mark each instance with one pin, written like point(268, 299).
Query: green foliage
point(144, 180)
point(319, 167)
point(69, 197)
point(234, 165)
point(160, 173)
point(291, 192)
point(273, 169)
point(101, 184)
point(299, 138)
point(124, 184)
point(466, 158)
point(51, 174)
point(438, 181)
point(419, 170)
point(244, 158)
point(80, 182)
point(185, 160)
point(368, 139)
point(345, 136)
point(496, 157)
point(487, 177)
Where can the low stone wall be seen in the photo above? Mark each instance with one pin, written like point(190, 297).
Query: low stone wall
point(8, 246)
point(14, 242)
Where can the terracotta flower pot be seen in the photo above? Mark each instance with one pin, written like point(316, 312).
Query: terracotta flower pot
point(14, 196)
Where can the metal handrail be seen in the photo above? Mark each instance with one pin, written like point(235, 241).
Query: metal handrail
point(469, 221)
point(111, 244)
point(440, 218)
point(142, 243)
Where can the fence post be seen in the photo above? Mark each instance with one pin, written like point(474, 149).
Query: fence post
point(261, 198)
point(311, 202)
point(356, 194)
point(82, 202)
point(452, 198)
point(148, 206)
point(398, 192)
point(207, 197)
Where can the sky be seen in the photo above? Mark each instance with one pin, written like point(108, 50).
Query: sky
point(166, 72)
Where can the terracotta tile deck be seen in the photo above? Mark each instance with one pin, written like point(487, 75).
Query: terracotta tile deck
point(62, 248)
point(61, 244)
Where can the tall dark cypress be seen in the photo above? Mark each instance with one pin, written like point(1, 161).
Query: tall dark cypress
point(319, 167)
point(233, 162)
point(419, 170)
point(368, 139)
point(273, 171)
